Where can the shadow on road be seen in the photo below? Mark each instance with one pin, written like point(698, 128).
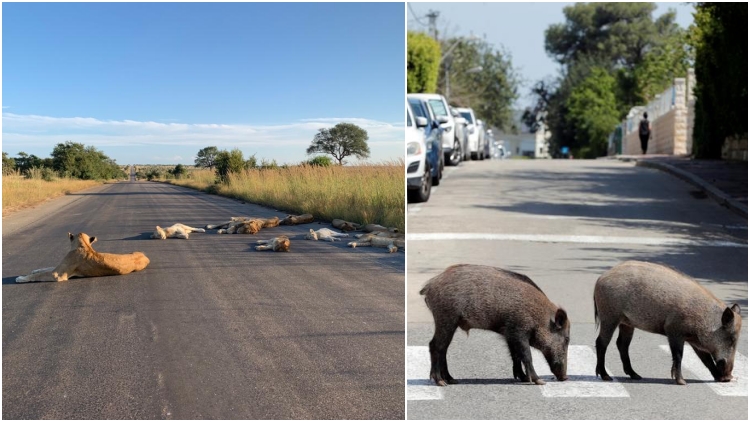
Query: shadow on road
point(12, 280)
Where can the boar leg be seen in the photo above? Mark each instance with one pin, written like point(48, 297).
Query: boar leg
point(677, 344)
point(602, 341)
point(520, 347)
point(623, 344)
point(444, 331)
point(517, 369)
point(708, 360)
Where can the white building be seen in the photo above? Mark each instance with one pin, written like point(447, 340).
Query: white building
point(525, 143)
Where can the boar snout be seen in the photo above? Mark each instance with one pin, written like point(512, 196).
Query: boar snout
point(560, 372)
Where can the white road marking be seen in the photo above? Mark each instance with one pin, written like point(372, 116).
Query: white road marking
point(582, 381)
point(418, 384)
point(414, 209)
point(736, 387)
point(553, 238)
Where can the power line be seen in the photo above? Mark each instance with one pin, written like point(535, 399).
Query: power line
point(416, 18)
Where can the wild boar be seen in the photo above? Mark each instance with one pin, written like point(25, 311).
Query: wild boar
point(510, 304)
point(661, 300)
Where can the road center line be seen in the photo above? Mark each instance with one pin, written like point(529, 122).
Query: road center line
point(418, 384)
point(553, 238)
point(736, 387)
point(581, 379)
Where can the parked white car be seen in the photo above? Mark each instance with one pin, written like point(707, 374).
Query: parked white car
point(418, 174)
point(476, 137)
point(453, 137)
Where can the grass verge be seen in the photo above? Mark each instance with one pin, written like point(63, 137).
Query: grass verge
point(363, 194)
point(20, 192)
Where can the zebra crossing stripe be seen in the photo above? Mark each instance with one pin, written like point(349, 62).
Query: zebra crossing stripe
point(418, 386)
point(736, 387)
point(582, 381)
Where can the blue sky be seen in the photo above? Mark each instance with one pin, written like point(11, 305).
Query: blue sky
point(519, 27)
point(154, 83)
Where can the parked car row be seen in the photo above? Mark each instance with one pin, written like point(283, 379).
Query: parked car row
point(438, 134)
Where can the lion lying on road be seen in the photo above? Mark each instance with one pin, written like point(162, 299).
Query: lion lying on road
point(243, 225)
point(277, 244)
point(324, 234)
point(292, 220)
point(84, 261)
point(179, 231)
point(384, 239)
point(346, 226)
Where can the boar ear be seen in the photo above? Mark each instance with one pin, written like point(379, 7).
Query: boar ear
point(70, 235)
point(560, 317)
point(92, 239)
point(736, 308)
point(728, 316)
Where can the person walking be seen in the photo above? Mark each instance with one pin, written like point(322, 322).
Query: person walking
point(644, 132)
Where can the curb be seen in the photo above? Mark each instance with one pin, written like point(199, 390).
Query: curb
point(719, 196)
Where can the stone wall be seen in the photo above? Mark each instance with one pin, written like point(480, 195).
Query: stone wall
point(671, 125)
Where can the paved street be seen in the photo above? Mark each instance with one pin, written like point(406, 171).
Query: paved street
point(211, 329)
point(563, 223)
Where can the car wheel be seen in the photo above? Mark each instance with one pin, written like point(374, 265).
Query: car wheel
point(455, 156)
point(436, 179)
point(474, 156)
point(423, 193)
point(481, 156)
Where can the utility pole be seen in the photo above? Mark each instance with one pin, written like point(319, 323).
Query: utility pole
point(432, 16)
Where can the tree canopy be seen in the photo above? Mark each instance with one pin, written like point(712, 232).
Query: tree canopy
point(206, 157)
point(642, 55)
point(719, 38)
point(422, 62)
point(341, 141)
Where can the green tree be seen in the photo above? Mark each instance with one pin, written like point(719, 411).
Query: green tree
point(593, 110)
point(422, 62)
point(9, 164)
point(719, 39)
point(268, 165)
point(642, 54)
point(491, 91)
point(75, 160)
point(251, 162)
point(319, 161)
point(178, 171)
point(206, 157)
point(228, 162)
point(341, 141)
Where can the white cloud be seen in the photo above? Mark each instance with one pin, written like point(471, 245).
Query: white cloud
point(23, 132)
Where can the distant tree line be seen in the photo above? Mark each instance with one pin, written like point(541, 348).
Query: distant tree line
point(340, 141)
point(71, 159)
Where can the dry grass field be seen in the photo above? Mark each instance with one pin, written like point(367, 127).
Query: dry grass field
point(20, 192)
point(362, 194)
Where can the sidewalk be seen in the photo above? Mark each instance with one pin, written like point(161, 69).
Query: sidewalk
point(724, 181)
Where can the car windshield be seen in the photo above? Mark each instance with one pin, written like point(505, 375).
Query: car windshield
point(408, 119)
point(466, 115)
point(438, 107)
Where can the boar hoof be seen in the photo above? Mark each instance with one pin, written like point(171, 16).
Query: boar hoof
point(606, 378)
point(441, 383)
point(681, 382)
point(635, 376)
point(539, 381)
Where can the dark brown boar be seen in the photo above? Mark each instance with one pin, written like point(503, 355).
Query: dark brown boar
point(510, 304)
point(661, 300)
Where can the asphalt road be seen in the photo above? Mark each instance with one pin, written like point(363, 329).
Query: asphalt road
point(563, 223)
point(211, 329)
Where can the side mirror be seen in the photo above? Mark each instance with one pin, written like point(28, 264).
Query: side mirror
point(472, 129)
point(442, 119)
point(421, 121)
